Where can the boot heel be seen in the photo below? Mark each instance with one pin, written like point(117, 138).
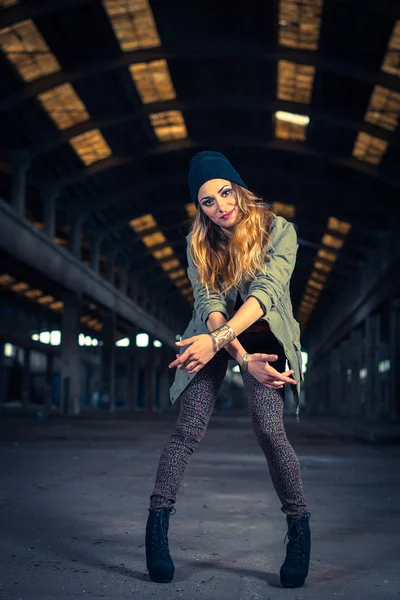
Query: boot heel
point(294, 570)
point(158, 559)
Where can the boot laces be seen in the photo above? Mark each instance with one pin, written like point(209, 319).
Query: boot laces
point(160, 539)
point(295, 535)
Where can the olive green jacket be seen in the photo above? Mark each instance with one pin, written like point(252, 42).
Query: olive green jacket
point(271, 290)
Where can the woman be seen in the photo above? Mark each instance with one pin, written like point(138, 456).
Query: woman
point(241, 258)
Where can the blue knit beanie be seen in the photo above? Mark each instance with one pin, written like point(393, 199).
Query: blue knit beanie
point(210, 165)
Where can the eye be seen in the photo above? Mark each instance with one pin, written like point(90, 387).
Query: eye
point(226, 192)
point(206, 203)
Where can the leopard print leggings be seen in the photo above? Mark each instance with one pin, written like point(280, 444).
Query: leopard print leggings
point(266, 411)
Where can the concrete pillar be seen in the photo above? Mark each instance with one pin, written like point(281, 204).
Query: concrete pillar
point(372, 326)
point(110, 267)
point(394, 356)
point(49, 380)
point(70, 356)
point(20, 162)
point(149, 377)
point(49, 212)
point(75, 235)
point(26, 378)
point(108, 361)
point(123, 279)
point(94, 252)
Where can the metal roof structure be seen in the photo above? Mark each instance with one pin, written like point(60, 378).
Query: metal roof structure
point(109, 100)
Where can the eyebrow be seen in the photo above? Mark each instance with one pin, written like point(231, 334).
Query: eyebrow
point(219, 191)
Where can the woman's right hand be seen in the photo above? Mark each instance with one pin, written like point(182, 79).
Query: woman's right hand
point(259, 367)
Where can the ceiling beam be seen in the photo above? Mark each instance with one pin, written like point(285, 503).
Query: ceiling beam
point(202, 49)
point(218, 103)
point(33, 9)
point(234, 141)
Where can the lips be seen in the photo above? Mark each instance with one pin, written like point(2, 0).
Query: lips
point(227, 215)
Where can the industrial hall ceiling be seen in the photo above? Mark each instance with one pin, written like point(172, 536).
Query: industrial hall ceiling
point(108, 101)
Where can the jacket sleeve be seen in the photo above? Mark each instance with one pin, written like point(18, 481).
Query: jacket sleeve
point(204, 305)
point(269, 288)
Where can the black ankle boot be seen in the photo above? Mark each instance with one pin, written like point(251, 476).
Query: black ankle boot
point(295, 568)
point(158, 559)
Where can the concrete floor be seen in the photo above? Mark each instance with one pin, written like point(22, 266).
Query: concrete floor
point(74, 499)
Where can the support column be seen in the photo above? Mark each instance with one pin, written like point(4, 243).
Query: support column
point(149, 378)
point(394, 355)
point(75, 235)
point(123, 279)
point(20, 162)
point(110, 267)
point(95, 243)
point(49, 213)
point(108, 361)
point(26, 378)
point(49, 380)
point(70, 356)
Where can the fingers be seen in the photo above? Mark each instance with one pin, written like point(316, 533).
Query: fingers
point(281, 376)
point(184, 342)
point(264, 357)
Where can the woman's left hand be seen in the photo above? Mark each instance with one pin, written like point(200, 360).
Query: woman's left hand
point(198, 354)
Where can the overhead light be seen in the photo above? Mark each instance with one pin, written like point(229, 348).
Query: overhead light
point(8, 350)
point(55, 338)
point(292, 118)
point(157, 343)
point(142, 340)
point(123, 343)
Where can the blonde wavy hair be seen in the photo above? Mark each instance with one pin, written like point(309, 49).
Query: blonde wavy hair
point(223, 261)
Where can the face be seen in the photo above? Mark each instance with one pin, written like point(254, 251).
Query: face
point(216, 199)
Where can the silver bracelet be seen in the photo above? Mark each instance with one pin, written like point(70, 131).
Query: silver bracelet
point(245, 363)
point(222, 336)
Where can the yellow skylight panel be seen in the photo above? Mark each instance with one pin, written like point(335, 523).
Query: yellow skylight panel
point(318, 276)
point(33, 294)
point(90, 146)
point(182, 282)
point(288, 211)
point(59, 305)
point(306, 305)
point(133, 24)
point(310, 291)
point(295, 82)
point(321, 266)
point(186, 291)
point(46, 299)
point(143, 223)
point(6, 279)
point(64, 106)
point(153, 81)
point(369, 149)
point(300, 23)
point(154, 239)
point(169, 125)
point(315, 284)
point(26, 49)
point(309, 299)
point(342, 227)
point(326, 255)
point(163, 253)
point(191, 209)
point(19, 287)
point(391, 61)
point(384, 108)
point(177, 274)
point(170, 264)
point(289, 131)
point(332, 241)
